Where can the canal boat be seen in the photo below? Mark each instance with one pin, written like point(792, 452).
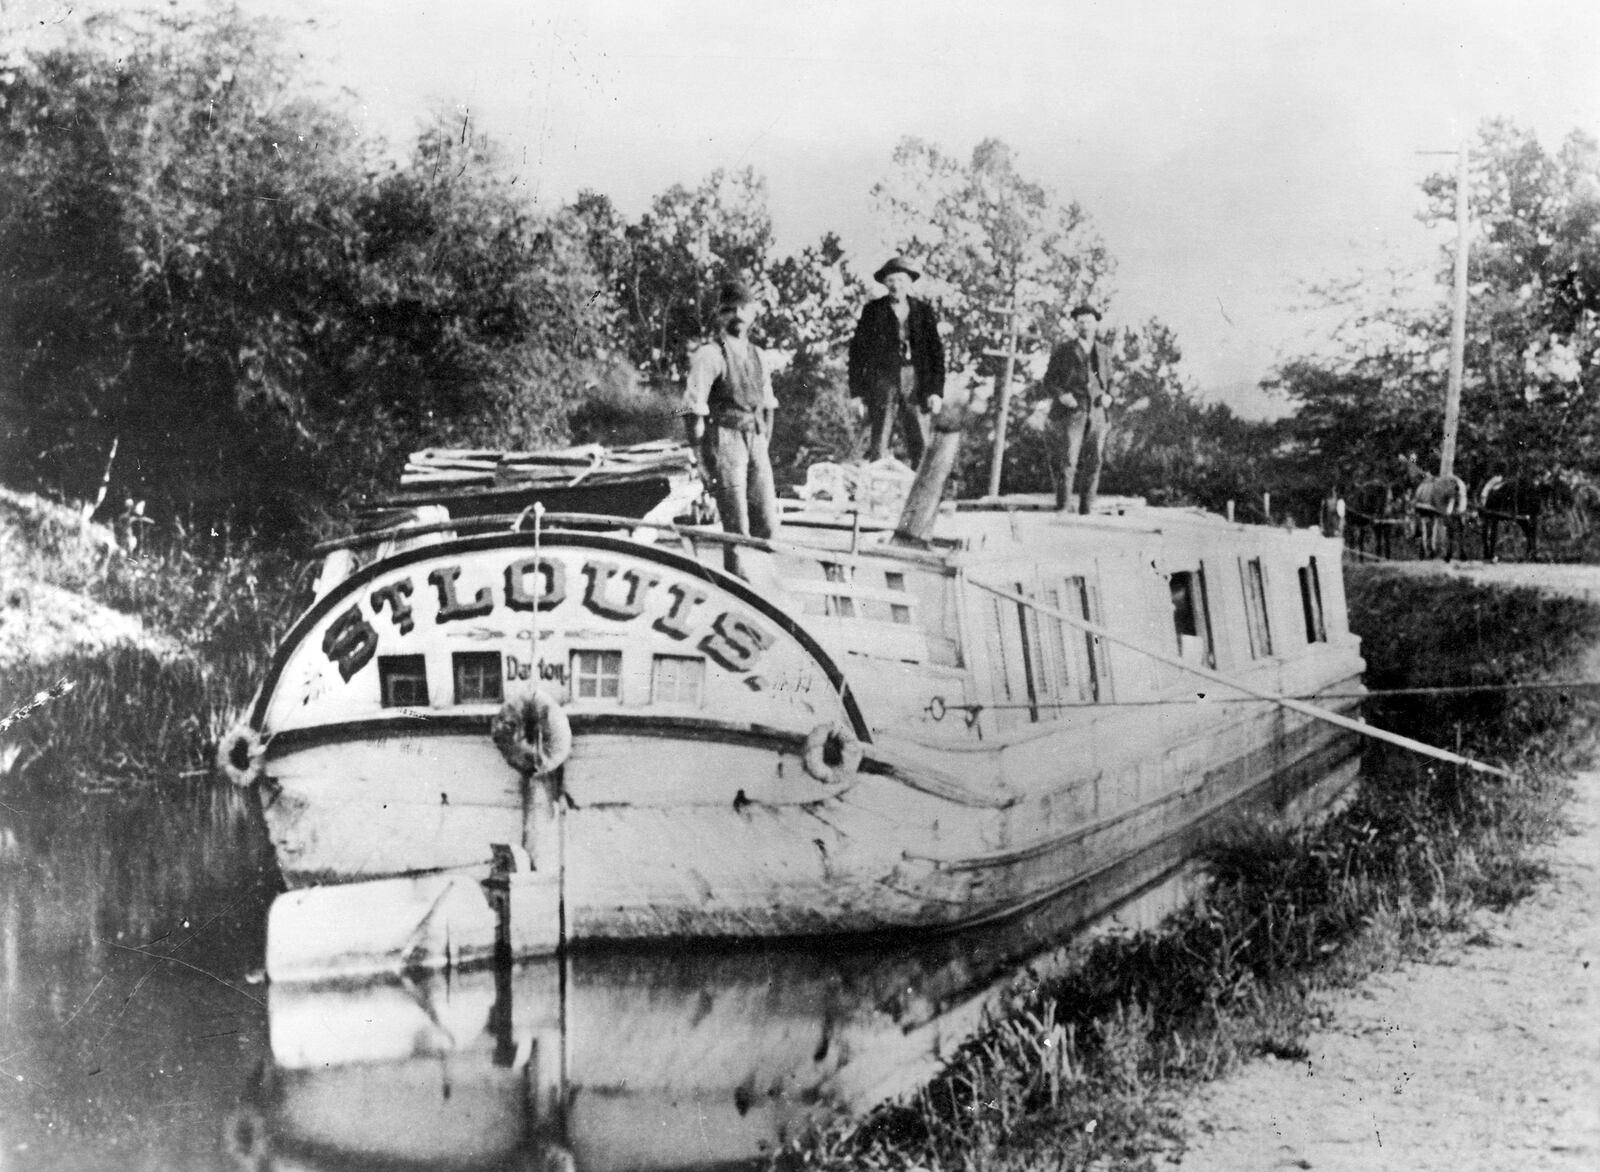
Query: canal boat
point(902, 714)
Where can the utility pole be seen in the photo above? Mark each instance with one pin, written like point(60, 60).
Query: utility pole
point(1004, 410)
point(1458, 324)
point(1458, 318)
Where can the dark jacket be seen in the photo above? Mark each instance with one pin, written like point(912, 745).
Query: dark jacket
point(875, 349)
point(1069, 373)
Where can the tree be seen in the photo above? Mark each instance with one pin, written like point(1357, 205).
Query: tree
point(816, 296)
point(210, 270)
point(476, 320)
point(1529, 394)
point(663, 270)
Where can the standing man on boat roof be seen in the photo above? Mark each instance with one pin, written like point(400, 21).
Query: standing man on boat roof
point(1077, 387)
point(728, 407)
point(897, 362)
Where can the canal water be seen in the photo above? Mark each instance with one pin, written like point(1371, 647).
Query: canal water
point(136, 1031)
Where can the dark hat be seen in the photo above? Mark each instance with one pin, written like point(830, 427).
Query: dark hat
point(895, 264)
point(733, 294)
point(1080, 310)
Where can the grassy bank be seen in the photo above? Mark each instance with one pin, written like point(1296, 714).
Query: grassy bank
point(1087, 1070)
point(161, 648)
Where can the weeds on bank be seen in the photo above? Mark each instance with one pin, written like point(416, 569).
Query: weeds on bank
point(140, 713)
point(1085, 1070)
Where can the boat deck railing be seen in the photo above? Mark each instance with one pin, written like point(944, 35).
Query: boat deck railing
point(636, 527)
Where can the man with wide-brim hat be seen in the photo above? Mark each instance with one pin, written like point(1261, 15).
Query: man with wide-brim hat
point(897, 362)
point(1079, 392)
point(728, 408)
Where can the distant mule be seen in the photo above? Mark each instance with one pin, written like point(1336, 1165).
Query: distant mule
point(1439, 508)
point(1372, 513)
point(1519, 500)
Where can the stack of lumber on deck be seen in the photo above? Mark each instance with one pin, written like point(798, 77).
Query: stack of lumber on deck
point(444, 468)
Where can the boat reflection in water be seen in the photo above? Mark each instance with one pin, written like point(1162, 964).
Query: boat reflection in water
point(609, 1059)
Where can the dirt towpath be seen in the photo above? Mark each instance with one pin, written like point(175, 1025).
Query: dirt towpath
point(1485, 1058)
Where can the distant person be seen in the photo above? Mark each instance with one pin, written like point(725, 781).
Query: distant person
point(1077, 385)
point(728, 407)
point(897, 362)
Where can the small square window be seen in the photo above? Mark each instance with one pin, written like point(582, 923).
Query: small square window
point(403, 681)
point(841, 606)
point(477, 677)
point(834, 572)
point(596, 675)
point(900, 614)
point(894, 581)
point(677, 679)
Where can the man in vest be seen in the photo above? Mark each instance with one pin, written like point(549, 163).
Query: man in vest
point(1077, 386)
point(897, 362)
point(728, 406)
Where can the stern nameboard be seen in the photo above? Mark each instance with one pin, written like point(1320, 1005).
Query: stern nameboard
point(589, 618)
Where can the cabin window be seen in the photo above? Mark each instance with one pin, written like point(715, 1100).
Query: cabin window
point(1190, 620)
point(677, 679)
point(1079, 656)
point(835, 572)
point(477, 677)
point(403, 681)
point(1005, 658)
point(894, 581)
point(899, 613)
point(1311, 603)
point(1017, 661)
point(596, 675)
point(1255, 608)
point(841, 606)
point(1032, 656)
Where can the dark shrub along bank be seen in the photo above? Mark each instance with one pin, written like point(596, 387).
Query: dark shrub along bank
point(149, 710)
point(1086, 1070)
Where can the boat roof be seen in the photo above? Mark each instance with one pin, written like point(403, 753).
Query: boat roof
point(591, 486)
point(1027, 525)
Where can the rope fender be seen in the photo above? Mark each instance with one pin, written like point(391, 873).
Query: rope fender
point(832, 752)
point(533, 734)
point(241, 755)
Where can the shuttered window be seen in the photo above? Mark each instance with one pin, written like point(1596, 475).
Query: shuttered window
point(1311, 603)
point(1033, 665)
point(1255, 607)
point(1004, 639)
point(1079, 658)
point(1191, 620)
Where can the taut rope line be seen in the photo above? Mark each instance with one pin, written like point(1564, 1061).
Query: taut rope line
point(1311, 710)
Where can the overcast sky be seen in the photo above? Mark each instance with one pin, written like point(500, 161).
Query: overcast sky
point(1228, 152)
